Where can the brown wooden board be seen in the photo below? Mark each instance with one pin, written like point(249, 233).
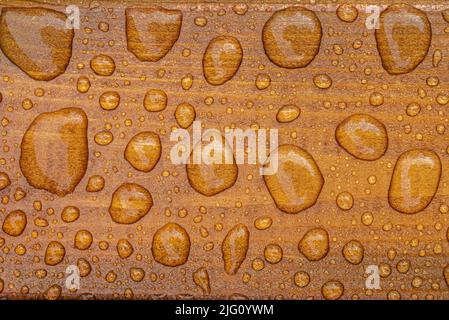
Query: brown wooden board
point(49, 155)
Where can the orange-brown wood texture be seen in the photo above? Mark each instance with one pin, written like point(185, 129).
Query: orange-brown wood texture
point(182, 232)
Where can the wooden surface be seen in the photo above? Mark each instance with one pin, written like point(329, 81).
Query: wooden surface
point(420, 239)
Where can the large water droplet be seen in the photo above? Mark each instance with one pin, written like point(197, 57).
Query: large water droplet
point(403, 38)
point(171, 245)
point(55, 151)
point(292, 37)
point(36, 40)
point(143, 151)
point(415, 180)
point(152, 32)
point(130, 203)
point(298, 181)
point(362, 136)
point(314, 245)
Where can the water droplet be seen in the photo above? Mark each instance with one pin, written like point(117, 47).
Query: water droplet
point(297, 183)
point(345, 201)
point(314, 245)
point(83, 84)
point(95, 184)
point(109, 100)
point(36, 40)
point(263, 81)
point(54, 253)
point(332, 290)
point(15, 223)
point(347, 12)
point(273, 253)
point(362, 136)
point(136, 274)
point(187, 82)
point(54, 151)
point(124, 248)
point(240, 8)
point(102, 65)
point(4, 180)
point(400, 26)
point(413, 109)
point(322, 81)
point(185, 115)
point(222, 59)
point(301, 279)
point(376, 99)
point(84, 267)
point(83, 240)
point(288, 113)
point(211, 179)
point(292, 37)
point(70, 214)
point(263, 223)
point(53, 292)
point(445, 274)
point(152, 32)
point(103, 138)
point(234, 248)
point(201, 279)
point(155, 100)
point(171, 245)
point(353, 252)
point(415, 180)
point(130, 203)
point(143, 151)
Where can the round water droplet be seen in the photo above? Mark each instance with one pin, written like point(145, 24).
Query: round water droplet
point(301, 279)
point(83, 84)
point(292, 37)
point(144, 151)
point(211, 179)
point(130, 203)
point(54, 151)
point(347, 12)
point(83, 240)
point(222, 59)
point(15, 223)
point(288, 113)
point(345, 201)
point(185, 115)
point(353, 252)
point(95, 184)
point(399, 26)
point(314, 245)
point(124, 248)
point(102, 65)
point(298, 181)
point(70, 214)
point(332, 290)
point(55, 253)
point(109, 100)
point(362, 136)
point(415, 180)
point(155, 100)
point(273, 253)
point(322, 81)
point(171, 245)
